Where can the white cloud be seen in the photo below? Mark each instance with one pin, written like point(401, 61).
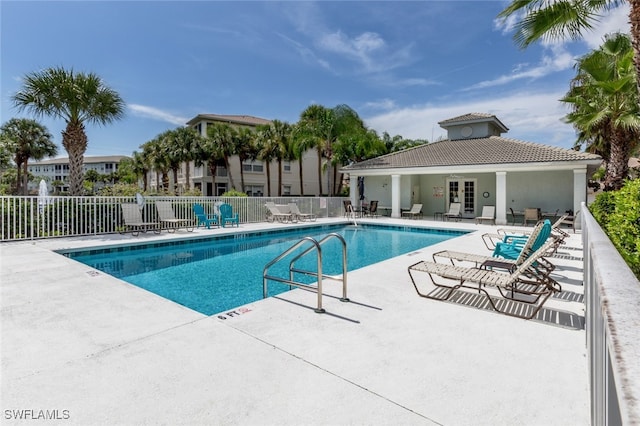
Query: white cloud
point(616, 21)
point(558, 60)
point(534, 117)
point(156, 114)
point(383, 104)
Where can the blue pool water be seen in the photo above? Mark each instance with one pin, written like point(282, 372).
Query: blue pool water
point(213, 275)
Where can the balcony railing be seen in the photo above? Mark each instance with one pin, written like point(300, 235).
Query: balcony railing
point(612, 295)
point(26, 218)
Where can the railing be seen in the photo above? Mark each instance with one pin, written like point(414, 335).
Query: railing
point(612, 295)
point(32, 217)
point(318, 288)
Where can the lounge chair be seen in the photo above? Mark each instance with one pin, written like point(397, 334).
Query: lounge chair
point(511, 247)
point(490, 239)
point(276, 215)
point(454, 212)
point(415, 212)
point(169, 220)
point(538, 237)
point(293, 208)
point(488, 213)
point(133, 221)
point(203, 218)
point(228, 216)
point(524, 284)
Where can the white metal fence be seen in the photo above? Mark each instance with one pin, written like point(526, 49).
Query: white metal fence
point(612, 295)
point(25, 218)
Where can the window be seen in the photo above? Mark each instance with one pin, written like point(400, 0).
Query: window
point(286, 189)
point(108, 166)
point(252, 166)
point(286, 166)
point(254, 190)
point(221, 171)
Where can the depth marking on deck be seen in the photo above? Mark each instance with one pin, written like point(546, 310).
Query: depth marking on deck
point(234, 313)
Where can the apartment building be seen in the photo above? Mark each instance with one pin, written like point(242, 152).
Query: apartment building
point(57, 169)
point(255, 172)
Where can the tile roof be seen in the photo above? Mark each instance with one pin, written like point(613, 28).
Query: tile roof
point(85, 160)
point(479, 151)
point(234, 119)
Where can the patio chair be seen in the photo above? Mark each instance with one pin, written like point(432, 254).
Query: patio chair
point(415, 212)
point(531, 215)
point(488, 213)
point(293, 208)
point(133, 221)
point(228, 216)
point(537, 238)
point(511, 247)
point(204, 218)
point(169, 220)
point(490, 239)
point(373, 209)
point(276, 214)
point(523, 284)
point(454, 212)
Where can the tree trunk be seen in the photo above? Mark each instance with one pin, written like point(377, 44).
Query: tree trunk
point(25, 178)
point(226, 164)
point(320, 172)
point(241, 160)
point(213, 168)
point(279, 177)
point(269, 178)
point(19, 163)
point(187, 175)
point(634, 20)
point(174, 170)
point(74, 140)
point(301, 177)
point(618, 165)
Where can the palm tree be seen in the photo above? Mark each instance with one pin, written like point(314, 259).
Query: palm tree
point(315, 128)
point(29, 140)
point(245, 149)
point(224, 135)
point(156, 154)
point(140, 166)
point(281, 132)
point(301, 144)
point(267, 149)
point(559, 19)
point(179, 145)
point(77, 98)
point(210, 152)
point(604, 100)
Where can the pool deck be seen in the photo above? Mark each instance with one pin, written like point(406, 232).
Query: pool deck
point(92, 349)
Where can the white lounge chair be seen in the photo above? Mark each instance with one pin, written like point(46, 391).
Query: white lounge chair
point(293, 207)
point(133, 221)
point(454, 212)
point(276, 214)
point(169, 220)
point(415, 212)
point(488, 213)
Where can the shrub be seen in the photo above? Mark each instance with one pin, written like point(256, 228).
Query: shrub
point(619, 215)
point(234, 193)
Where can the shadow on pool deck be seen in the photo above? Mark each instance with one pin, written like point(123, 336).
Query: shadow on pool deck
point(110, 353)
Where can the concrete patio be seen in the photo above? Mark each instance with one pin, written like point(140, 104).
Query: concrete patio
point(89, 349)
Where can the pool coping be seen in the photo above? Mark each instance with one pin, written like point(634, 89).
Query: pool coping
point(110, 353)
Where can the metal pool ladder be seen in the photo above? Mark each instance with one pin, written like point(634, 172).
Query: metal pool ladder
point(317, 245)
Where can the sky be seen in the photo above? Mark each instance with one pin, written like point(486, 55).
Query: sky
point(402, 66)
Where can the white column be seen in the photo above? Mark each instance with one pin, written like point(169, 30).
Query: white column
point(501, 198)
point(395, 195)
point(579, 190)
point(353, 189)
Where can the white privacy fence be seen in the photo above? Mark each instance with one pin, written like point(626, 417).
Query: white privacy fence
point(25, 218)
point(612, 295)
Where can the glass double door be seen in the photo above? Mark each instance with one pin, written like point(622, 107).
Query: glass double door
point(463, 191)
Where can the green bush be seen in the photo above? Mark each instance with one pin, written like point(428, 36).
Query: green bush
point(234, 193)
point(618, 213)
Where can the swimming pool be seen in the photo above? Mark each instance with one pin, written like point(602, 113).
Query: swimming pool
point(215, 274)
